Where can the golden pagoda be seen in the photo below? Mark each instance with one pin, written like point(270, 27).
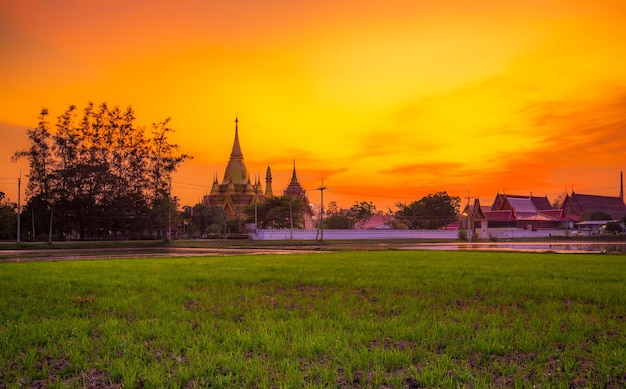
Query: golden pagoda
point(236, 190)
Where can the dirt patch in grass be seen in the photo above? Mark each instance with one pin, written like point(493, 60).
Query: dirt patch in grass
point(54, 371)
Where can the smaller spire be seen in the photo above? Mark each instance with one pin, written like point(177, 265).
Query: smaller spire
point(268, 182)
point(249, 189)
point(215, 188)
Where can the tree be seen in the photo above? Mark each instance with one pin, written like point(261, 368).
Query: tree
point(337, 222)
point(277, 212)
point(100, 174)
point(361, 212)
point(332, 208)
point(207, 220)
point(558, 202)
point(430, 212)
point(41, 164)
point(39, 157)
point(595, 215)
point(8, 218)
point(613, 228)
point(164, 158)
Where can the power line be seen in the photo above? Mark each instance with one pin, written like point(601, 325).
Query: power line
point(190, 184)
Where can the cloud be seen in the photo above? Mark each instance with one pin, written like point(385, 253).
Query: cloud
point(435, 169)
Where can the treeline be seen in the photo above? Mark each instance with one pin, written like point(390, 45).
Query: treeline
point(99, 175)
point(433, 211)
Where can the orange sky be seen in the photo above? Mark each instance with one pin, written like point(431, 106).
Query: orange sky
point(385, 100)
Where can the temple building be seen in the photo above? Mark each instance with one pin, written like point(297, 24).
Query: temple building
point(576, 205)
point(237, 191)
point(296, 192)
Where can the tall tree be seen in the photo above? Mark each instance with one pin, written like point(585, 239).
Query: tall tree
point(361, 212)
point(332, 208)
point(8, 218)
point(207, 219)
point(41, 165)
point(39, 157)
point(337, 222)
point(430, 212)
point(277, 212)
point(96, 174)
point(164, 158)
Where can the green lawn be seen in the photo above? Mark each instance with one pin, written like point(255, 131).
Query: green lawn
point(348, 319)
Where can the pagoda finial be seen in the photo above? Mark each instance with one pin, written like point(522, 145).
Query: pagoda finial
point(236, 152)
point(294, 178)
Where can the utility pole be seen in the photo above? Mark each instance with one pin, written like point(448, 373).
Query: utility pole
point(291, 217)
point(50, 231)
point(169, 210)
point(19, 192)
point(469, 221)
point(320, 228)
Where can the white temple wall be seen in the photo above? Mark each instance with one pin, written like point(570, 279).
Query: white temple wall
point(313, 234)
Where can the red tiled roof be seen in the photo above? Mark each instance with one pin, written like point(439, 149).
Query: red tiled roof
point(577, 204)
point(506, 215)
point(540, 203)
point(553, 213)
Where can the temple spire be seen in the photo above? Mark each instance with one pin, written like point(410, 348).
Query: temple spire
point(268, 182)
point(236, 152)
point(294, 178)
point(236, 171)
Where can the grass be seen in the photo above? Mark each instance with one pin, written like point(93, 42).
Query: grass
point(345, 319)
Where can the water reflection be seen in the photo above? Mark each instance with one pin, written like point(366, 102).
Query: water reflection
point(556, 247)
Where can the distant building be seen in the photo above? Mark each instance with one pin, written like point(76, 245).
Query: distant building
point(237, 191)
point(536, 213)
point(518, 211)
point(296, 192)
point(528, 212)
point(576, 204)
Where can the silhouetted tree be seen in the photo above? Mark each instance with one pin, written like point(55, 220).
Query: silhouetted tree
point(332, 208)
point(164, 158)
point(361, 212)
point(595, 215)
point(8, 218)
point(337, 222)
point(39, 157)
point(277, 212)
point(613, 228)
point(207, 220)
point(100, 174)
point(430, 212)
point(40, 161)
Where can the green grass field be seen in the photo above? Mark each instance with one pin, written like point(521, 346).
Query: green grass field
point(348, 319)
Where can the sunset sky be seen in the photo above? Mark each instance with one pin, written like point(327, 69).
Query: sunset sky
point(385, 101)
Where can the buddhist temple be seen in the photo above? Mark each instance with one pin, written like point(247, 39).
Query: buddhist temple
point(296, 192)
point(576, 205)
point(236, 191)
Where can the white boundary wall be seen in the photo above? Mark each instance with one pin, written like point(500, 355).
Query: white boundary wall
point(312, 234)
point(512, 233)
